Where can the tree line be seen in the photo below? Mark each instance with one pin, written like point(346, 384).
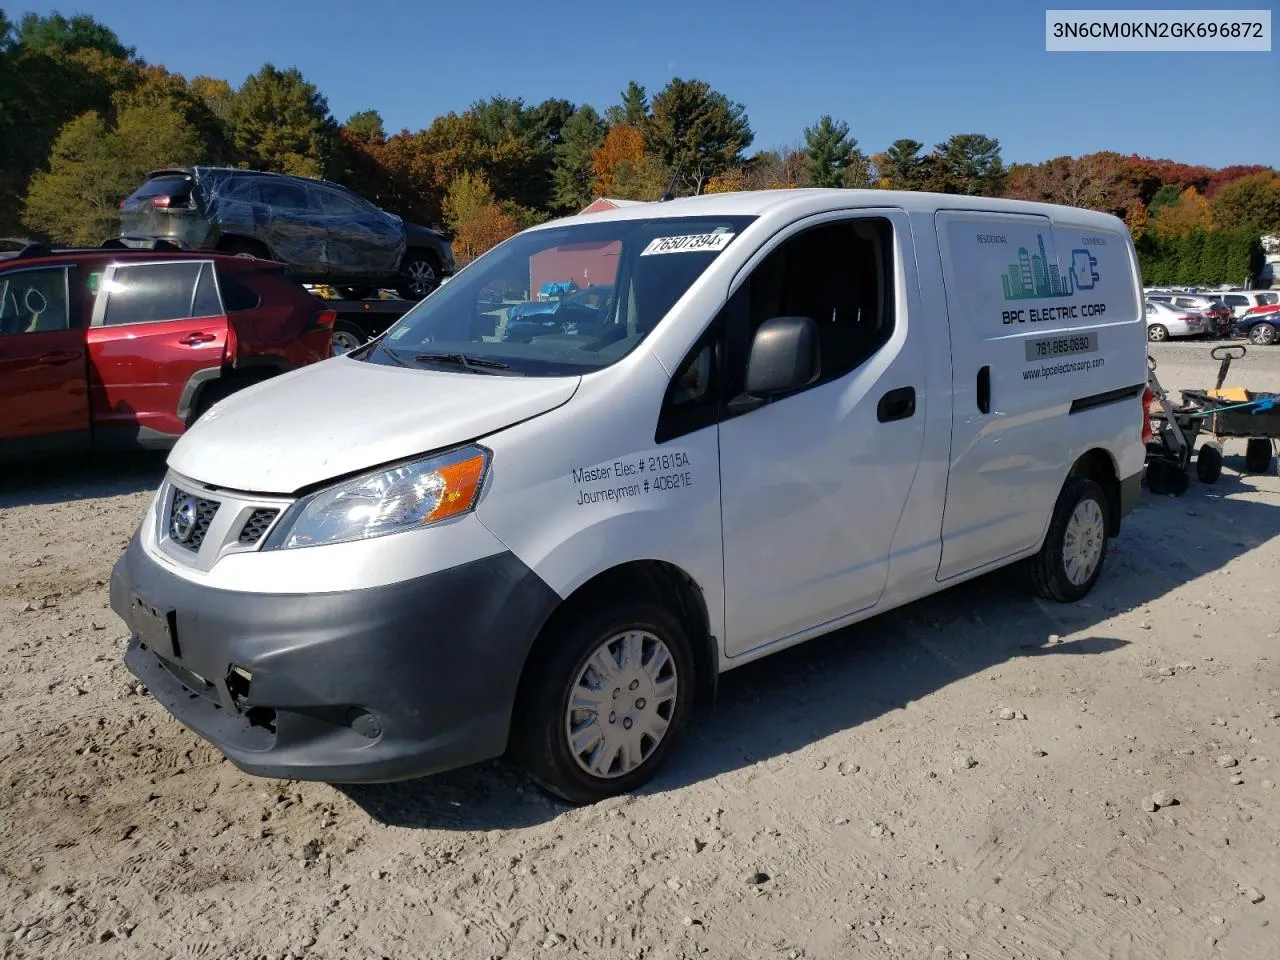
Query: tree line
point(83, 119)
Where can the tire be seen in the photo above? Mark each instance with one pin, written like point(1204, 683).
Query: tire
point(1157, 332)
point(419, 275)
point(1257, 455)
point(1209, 464)
point(542, 718)
point(1071, 559)
point(1263, 334)
point(215, 391)
point(347, 336)
point(1164, 479)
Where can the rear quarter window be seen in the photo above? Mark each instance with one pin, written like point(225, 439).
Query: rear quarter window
point(236, 294)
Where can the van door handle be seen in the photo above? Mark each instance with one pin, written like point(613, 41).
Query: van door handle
point(191, 339)
point(898, 404)
point(984, 389)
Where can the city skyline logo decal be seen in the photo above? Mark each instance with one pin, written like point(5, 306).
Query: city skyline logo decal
point(1034, 277)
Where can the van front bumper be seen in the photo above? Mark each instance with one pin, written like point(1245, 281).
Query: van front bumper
point(362, 686)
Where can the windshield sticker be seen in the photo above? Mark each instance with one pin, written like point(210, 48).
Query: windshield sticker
point(636, 476)
point(690, 243)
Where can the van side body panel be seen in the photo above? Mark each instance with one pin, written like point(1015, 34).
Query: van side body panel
point(584, 488)
point(1046, 320)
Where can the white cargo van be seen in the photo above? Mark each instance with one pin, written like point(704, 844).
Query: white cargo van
point(624, 452)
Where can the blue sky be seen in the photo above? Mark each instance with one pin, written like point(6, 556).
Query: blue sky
point(922, 69)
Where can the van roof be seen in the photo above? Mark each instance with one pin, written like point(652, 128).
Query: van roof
point(810, 200)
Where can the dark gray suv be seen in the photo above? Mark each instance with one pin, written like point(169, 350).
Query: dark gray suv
point(321, 230)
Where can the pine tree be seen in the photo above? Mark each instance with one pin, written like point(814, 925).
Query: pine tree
point(831, 151)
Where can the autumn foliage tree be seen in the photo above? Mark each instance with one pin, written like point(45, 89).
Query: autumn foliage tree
point(623, 168)
point(1190, 213)
point(477, 219)
point(1252, 201)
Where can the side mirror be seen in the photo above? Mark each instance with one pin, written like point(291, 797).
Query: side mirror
point(784, 357)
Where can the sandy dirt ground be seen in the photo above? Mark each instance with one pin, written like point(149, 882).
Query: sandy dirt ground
point(860, 796)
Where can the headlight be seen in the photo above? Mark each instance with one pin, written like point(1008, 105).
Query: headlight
point(404, 497)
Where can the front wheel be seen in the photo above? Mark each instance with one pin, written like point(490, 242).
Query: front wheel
point(603, 704)
point(1263, 334)
point(1157, 332)
point(1070, 561)
point(1209, 463)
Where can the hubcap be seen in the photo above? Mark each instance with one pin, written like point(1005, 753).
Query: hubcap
point(1263, 333)
point(621, 704)
point(1082, 544)
point(1155, 333)
point(422, 277)
point(343, 341)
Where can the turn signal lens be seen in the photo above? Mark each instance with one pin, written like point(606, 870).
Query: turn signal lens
point(461, 484)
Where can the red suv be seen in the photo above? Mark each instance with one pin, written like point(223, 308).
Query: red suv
point(113, 347)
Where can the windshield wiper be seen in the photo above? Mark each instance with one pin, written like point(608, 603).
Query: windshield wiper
point(463, 360)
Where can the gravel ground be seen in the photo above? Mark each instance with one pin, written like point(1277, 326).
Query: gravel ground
point(978, 775)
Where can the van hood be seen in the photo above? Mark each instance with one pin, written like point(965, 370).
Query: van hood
point(341, 416)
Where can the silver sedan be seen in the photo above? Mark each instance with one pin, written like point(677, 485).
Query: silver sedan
point(1165, 321)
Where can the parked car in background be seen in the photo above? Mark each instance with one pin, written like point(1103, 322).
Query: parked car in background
point(322, 231)
point(1165, 320)
point(1241, 302)
point(106, 348)
point(1216, 313)
point(1259, 324)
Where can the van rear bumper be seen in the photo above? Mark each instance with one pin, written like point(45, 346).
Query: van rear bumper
point(360, 686)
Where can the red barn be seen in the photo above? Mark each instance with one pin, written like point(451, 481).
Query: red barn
point(586, 264)
point(601, 204)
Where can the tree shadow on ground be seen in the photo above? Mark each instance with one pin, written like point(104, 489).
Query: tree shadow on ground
point(85, 476)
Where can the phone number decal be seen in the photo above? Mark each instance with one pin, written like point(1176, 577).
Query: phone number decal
point(1061, 346)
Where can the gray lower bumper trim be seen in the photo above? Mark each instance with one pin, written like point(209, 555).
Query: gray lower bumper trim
point(369, 685)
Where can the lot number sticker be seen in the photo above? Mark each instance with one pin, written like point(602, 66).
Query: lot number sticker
point(636, 476)
point(690, 243)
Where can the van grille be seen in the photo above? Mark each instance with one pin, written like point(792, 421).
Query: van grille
point(204, 513)
point(257, 525)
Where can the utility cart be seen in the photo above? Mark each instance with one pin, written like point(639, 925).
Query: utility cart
point(1235, 412)
point(1220, 413)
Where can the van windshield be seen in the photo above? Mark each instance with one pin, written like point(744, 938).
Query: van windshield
point(558, 301)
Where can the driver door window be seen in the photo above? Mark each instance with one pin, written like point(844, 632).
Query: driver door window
point(836, 274)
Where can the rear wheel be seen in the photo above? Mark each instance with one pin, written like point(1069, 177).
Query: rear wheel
point(346, 337)
point(218, 390)
point(1257, 455)
point(1263, 334)
point(1070, 561)
point(601, 706)
point(1157, 332)
point(1209, 464)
